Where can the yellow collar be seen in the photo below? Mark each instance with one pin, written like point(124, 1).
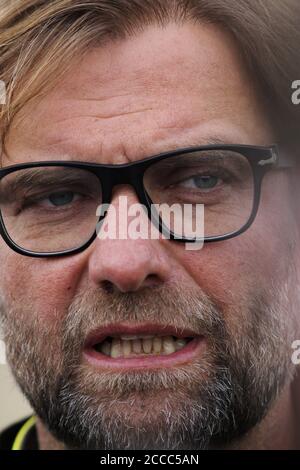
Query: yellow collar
point(22, 434)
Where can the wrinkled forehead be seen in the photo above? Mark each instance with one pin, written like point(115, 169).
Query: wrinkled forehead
point(157, 91)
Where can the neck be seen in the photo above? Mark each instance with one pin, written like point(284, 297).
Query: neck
point(279, 430)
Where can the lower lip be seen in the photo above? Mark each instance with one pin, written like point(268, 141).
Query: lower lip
point(185, 355)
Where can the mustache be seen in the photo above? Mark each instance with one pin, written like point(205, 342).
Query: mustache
point(174, 305)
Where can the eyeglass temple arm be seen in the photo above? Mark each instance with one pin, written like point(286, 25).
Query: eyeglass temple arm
point(279, 159)
point(286, 160)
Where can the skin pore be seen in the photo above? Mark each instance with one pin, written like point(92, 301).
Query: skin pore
point(159, 90)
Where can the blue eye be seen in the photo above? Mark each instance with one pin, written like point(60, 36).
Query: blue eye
point(201, 182)
point(61, 199)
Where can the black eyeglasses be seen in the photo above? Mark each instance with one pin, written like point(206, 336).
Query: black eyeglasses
point(51, 208)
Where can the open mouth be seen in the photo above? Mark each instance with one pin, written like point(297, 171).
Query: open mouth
point(136, 346)
point(133, 346)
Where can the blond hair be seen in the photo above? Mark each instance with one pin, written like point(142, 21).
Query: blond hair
point(38, 38)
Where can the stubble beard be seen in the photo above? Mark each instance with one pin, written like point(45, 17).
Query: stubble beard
point(207, 403)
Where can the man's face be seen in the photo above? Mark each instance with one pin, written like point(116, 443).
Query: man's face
point(161, 90)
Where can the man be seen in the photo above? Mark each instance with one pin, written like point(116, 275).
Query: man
point(123, 343)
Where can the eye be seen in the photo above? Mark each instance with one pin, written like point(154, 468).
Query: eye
point(61, 198)
point(200, 182)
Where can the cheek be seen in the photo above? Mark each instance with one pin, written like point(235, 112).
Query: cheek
point(226, 271)
point(232, 270)
point(45, 287)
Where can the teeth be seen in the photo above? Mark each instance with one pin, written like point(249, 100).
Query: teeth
point(168, 345)
point(140, 345)
point(157, 345)
point(179, 343)
point(147, 345)
point(131, 337)
point(137, 346)
point(126, 346)
point(115, 348)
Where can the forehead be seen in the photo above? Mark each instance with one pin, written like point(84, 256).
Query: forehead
point(156, 91)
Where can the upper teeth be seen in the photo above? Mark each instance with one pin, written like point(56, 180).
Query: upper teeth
point(130, 337)
point(128, 345)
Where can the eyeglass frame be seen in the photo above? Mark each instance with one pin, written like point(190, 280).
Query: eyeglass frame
point(261, 159)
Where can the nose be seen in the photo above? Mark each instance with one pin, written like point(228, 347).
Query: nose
point(127, 264)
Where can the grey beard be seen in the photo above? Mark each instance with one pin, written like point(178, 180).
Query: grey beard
point(206, 404)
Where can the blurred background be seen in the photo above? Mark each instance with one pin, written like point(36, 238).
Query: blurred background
point(13, 405)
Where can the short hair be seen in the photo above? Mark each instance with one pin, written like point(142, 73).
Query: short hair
point(38, 37)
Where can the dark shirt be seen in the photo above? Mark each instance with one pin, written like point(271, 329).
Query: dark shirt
point(8, 437)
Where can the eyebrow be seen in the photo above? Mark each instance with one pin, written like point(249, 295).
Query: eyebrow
point(76, 154)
